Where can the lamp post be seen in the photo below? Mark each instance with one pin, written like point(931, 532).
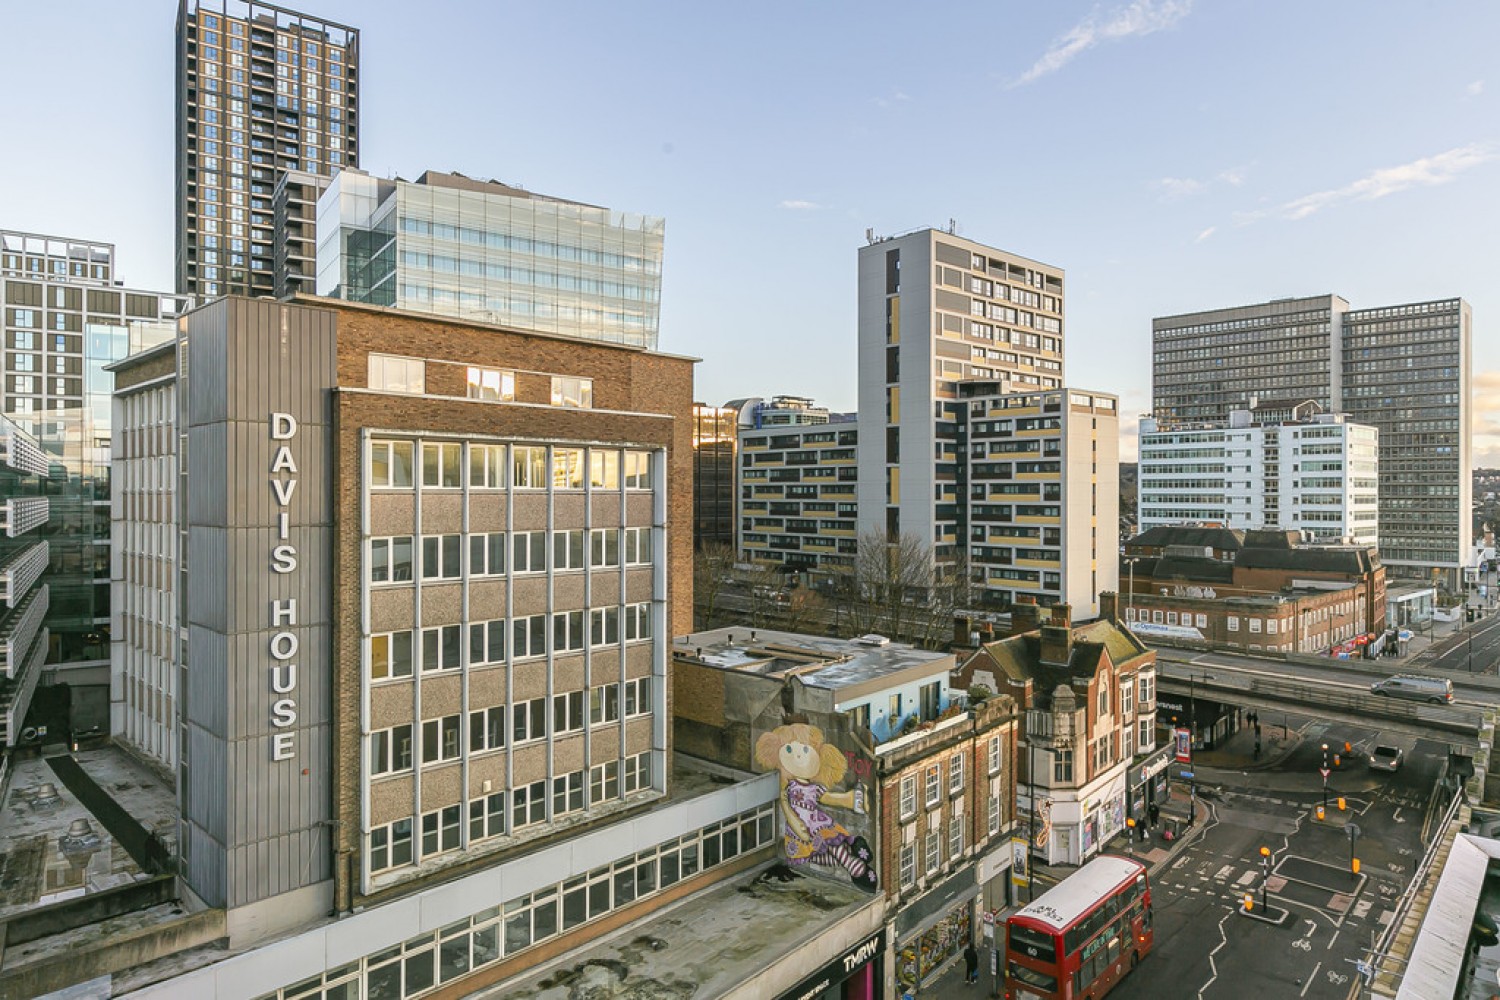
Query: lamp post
point(1130, 599)
point(1130, 828)
point(1030, 817)
point(1325, 779)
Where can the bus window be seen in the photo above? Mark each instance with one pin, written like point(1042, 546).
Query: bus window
point(1031, 977)
point(1033, 944)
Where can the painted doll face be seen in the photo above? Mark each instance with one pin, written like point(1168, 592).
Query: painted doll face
point(800, 760)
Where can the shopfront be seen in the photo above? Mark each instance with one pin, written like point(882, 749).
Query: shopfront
point(1148, 783)
point(854, 975)
point(934, 928)
point(1212, 722)
point(1103, 814)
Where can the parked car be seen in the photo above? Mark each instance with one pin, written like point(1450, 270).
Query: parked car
point(1386, 758)
point(1437, 690)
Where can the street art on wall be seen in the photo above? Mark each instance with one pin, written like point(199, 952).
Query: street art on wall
point(811, 770)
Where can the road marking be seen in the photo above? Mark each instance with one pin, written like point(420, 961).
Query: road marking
point(1397, 815)
point(1331, 940)
point(1245, 879)
point(1223, 872)
point(1310, 980)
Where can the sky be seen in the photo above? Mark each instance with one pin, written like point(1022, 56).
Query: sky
point(1170, 155)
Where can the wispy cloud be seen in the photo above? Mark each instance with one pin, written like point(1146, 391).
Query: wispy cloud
point(1475, 89)
point(1429, 171)
point(1177, 188)
point(1205, 234)
point(799, 205)
point(896, 97)
point(1140, 17)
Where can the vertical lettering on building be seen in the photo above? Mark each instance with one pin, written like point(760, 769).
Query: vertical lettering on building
point(283, 642)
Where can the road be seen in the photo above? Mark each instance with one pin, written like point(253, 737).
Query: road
point(1205, 948)
point(1473, 649)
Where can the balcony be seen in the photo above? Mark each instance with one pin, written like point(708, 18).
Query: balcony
point(20, 451)
point(20, 629)
point(19, 515)
point(19, 575)
point(15, 696)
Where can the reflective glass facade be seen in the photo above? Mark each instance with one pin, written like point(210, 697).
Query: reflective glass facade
point(454, 246)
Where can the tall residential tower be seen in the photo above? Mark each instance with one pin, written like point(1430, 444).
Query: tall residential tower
point(261, 90)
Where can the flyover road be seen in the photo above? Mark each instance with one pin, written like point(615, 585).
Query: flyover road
point(1474, 649)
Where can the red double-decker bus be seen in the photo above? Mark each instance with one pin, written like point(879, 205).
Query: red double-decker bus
point(1080, 938)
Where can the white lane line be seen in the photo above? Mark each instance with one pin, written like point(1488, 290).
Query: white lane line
point(1308, 984)
point(1331, 940)
point(1212, 965)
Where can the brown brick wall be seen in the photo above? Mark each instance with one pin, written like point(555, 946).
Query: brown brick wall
point(656, 391)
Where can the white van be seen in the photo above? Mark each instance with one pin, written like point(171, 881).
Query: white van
point(1437, 690)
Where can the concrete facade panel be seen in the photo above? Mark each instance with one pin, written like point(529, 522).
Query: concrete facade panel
point(393, 513)
point(442, 512)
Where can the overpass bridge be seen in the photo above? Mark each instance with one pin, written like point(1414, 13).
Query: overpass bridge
point(1461, 726)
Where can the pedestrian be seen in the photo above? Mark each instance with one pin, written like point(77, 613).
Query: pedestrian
point(971, 965)
point(1155, 814)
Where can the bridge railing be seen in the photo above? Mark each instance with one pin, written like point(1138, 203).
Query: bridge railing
point(1217, 680)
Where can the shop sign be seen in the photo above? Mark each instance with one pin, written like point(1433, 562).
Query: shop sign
point(1020, 862)
point(1184, 751)
point(837, 971)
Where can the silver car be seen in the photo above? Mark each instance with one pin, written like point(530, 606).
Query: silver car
point(1386, 758)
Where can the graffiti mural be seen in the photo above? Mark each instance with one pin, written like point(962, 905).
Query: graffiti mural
point(811, 771)
point(922, 956)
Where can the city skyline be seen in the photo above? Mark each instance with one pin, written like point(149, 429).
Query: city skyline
point(1143, 147)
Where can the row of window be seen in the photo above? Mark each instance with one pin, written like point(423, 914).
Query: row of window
point(535, 467)
point(393, 373)
point(391, 750)
point(391, 845)
point(933, 783)
point(391, 556)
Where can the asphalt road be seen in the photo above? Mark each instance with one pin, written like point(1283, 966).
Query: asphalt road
point(1205, 948)
point(1473, 649)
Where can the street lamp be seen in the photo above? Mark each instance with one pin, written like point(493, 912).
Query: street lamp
point(1130, 828)
point(1131, 597)
point(1325, 779)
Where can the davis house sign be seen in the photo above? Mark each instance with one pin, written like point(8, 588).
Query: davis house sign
point(283, 642)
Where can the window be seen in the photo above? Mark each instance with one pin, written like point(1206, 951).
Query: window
point(529, 551)
point(528, 720)
point(1127, 698)
point(637, 622)
point(575, 392)
point(390, 750)
point(567, 793)
point(604, 627)
point(441, 557)
point(390, 655)
point(440, 466)
point(487, 729)
point(487, 554)
point(492, 384)
point(934, 852)
point(528, 636)
point(637, 546)
point(637, 470)
point(440, 739)
point(908, 795)
point(604, 469)
point(390, 846)
point(529, 468)
point(994, 755)
point(1104, 697)
point(567, 713)
point(993, 806)
point(934, 785)
point(487, 816)
point(567, 468)
point(487, 466)
point(604, 704)
point(567, 549)
point(955, 774)
point(1146, 733)
point(908, 865)
point(487, 641)
point(390, 464)
point(390, 559)
point(1103, 748)
point(604, 781)
point(1234, 623)
point(956, 838)
point(567, 632)
point(1147, 690)
point(1254, 624)
point(442, 648)
point(391, 373)
point(1062, 766)
point(638, 697)
point(440, 830)
point(637, 774)
point(604, 548)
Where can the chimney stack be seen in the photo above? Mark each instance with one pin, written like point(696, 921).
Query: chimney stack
point(1025, 617)
point(1057, 644)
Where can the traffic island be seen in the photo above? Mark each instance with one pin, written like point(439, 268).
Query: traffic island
point(1273, 915)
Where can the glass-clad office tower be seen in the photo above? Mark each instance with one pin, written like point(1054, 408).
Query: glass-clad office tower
point(455, 246)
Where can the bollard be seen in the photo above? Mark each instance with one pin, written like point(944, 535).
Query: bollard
point(1354, 865)
point(1320, 812)
point(1341, 804)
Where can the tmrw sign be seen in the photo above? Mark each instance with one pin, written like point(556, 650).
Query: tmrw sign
point(283, 643)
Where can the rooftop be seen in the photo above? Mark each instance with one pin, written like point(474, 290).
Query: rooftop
point(819, 661)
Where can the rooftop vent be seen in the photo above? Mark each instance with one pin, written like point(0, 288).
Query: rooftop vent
point(873, 640)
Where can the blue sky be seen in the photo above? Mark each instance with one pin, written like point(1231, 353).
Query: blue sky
point(1171, 155)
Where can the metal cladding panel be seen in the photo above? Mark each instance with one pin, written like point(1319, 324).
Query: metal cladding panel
point(207, 373)
point(205, 866)
point(268, 526)
point(208, 689)
point(206, 795)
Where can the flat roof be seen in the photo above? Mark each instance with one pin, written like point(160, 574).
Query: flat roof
point(705, 946)
point(820, 661)
point(1070, 899)
point(34, 819)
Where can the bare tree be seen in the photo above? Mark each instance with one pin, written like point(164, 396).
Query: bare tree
point(713, 567)
point(894, 588)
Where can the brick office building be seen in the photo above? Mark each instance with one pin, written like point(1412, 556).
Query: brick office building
point(429, 573)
